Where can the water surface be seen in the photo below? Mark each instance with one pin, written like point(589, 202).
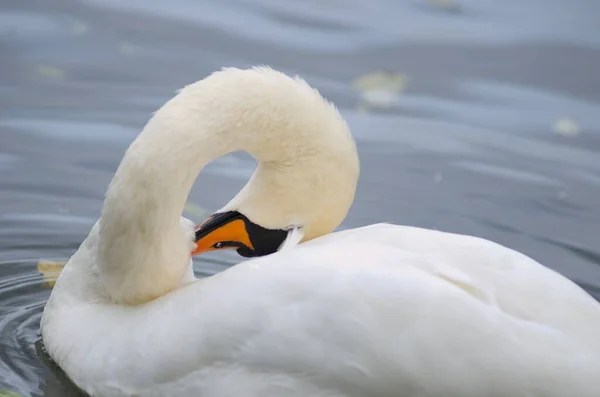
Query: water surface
point(492, 129)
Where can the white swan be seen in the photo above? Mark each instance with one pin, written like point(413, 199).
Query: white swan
point(377, 311)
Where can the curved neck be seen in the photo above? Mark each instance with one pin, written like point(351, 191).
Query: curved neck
point(143, 250)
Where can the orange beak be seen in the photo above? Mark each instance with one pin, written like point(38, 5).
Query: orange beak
point(232, 234)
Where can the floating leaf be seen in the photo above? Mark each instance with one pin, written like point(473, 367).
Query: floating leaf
point(447, 5)
point(195, 210)
point(362, 108)
point(79, 28)
point(381, 89)
point(51, 72)
point(566, 127)
point(8, 393)
point(49, 270)
point(381, 80)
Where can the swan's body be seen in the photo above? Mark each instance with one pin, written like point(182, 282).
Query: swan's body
point(378, 311)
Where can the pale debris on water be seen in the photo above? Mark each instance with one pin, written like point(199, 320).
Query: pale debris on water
point(448, 5)
point(8, 393)
point(566, 127)
point(79, 28)
point(51, 72)
point(49, 269)
point(362, 108)
point(195, 210)
point(380, 89)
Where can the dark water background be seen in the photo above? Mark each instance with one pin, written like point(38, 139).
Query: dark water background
point(495, 133)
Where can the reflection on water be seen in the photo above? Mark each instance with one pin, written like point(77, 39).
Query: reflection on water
point(471, 116)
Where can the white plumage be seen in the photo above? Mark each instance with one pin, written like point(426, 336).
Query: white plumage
point(383, 310)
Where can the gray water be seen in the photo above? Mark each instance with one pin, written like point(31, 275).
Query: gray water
point(494, 129)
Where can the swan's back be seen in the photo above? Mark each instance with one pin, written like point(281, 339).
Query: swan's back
point(393, 311)
point(359, 314)
point(490, 272)
point(362, 317)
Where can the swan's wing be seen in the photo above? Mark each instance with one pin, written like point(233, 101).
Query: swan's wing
point(370, 317)
point(514, 282)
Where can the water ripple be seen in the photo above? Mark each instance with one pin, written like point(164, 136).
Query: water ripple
point(22, 304)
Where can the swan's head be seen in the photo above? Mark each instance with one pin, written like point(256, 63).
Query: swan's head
point(232, 229)
point(307, 170)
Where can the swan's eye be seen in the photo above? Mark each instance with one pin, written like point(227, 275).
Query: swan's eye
point(226, 244)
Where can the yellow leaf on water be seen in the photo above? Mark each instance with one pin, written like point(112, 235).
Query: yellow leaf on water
point(8, 393)
point(566, 127)
point(79, 28)
point(362, 108)
point(51, 72)
point(194, 210)
point(381, 89)
point(378, 80)
point(50, 270)
point(449, 5)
